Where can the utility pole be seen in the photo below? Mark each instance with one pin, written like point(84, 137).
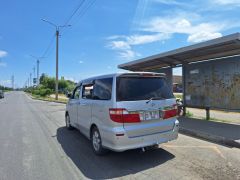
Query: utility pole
point(57, 27)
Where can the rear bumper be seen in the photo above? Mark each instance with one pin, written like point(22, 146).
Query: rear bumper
point(122, 143)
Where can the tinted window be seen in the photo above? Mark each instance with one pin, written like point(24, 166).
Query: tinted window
point(102, 89)
point(142, 88)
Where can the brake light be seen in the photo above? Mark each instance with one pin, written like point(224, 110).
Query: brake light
point(121, 115)
point(170, 113)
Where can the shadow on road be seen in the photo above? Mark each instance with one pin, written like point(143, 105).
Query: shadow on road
point(113, 165)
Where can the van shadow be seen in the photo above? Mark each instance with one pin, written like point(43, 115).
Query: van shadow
point(112, 165)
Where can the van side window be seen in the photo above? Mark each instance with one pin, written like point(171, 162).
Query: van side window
point(76, 92)
point(87, 91)
point(102, 89)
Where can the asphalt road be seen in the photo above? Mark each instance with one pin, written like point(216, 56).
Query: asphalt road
point(34, 144)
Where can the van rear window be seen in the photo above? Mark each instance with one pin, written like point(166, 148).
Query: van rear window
point(142, 88)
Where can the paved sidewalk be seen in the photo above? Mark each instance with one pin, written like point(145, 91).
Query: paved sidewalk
point(228, 134)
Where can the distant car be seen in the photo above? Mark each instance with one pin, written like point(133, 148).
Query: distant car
point(124, 111)
point(1, 94)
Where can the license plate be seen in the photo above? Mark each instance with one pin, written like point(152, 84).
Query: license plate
point(150, 115)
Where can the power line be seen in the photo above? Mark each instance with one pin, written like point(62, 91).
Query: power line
point(46, 52)
point(82, 12)
point(74, 12)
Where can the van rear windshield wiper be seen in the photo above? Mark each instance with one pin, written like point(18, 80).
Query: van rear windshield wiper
point(153, 98)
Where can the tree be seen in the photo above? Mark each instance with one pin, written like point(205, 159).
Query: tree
point(62, 84)
point(42, 77)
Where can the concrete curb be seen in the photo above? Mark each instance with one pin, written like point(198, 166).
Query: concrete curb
point(210, 137)
point(45, 99)
point(49, 100)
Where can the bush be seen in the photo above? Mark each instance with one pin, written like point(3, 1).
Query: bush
point(35, 92)
point(47, 86)
point(45, 92)
point(41, 91)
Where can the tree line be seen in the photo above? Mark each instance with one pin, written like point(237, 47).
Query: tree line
point(5, 88)
point(47, 86)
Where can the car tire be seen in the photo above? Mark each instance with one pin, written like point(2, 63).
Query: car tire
point(68, 122)
point(97, 142)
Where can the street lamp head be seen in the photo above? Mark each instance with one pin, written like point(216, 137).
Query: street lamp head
point(49, 22)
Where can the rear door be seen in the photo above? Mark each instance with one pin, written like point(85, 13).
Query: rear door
point(150, 97)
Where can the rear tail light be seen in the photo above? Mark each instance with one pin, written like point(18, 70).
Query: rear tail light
point(171, 112)
point(121, 115)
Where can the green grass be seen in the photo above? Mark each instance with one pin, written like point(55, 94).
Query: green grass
point(178, 96)
point(50, 99)
point(189, 114)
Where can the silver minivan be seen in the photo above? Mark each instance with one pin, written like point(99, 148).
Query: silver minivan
point(123, 111)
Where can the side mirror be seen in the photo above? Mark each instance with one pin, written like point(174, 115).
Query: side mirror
point(69, 95)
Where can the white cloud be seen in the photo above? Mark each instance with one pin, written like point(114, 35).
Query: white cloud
point(81, 62)
point(124, 44)
point(115, 37)
point(128, 54)
point(144, 39)
point(3, 53)
point(203, 36)
point(193, 21)
point(196, 32)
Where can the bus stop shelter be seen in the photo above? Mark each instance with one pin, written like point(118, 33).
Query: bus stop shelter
point(225, 47)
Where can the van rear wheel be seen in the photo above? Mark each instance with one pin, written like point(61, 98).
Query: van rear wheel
point(97, 142)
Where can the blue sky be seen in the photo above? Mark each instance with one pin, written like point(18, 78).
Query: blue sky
point(108, 34)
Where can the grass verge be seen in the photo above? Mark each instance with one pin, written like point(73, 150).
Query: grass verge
point(178, 95)
point(47, 98)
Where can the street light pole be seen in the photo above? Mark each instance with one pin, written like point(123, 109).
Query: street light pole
point(57, 27)
point(38, 61)
point(34, 76)
point(56, 87)
point(37, 72)
point(30, 79)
